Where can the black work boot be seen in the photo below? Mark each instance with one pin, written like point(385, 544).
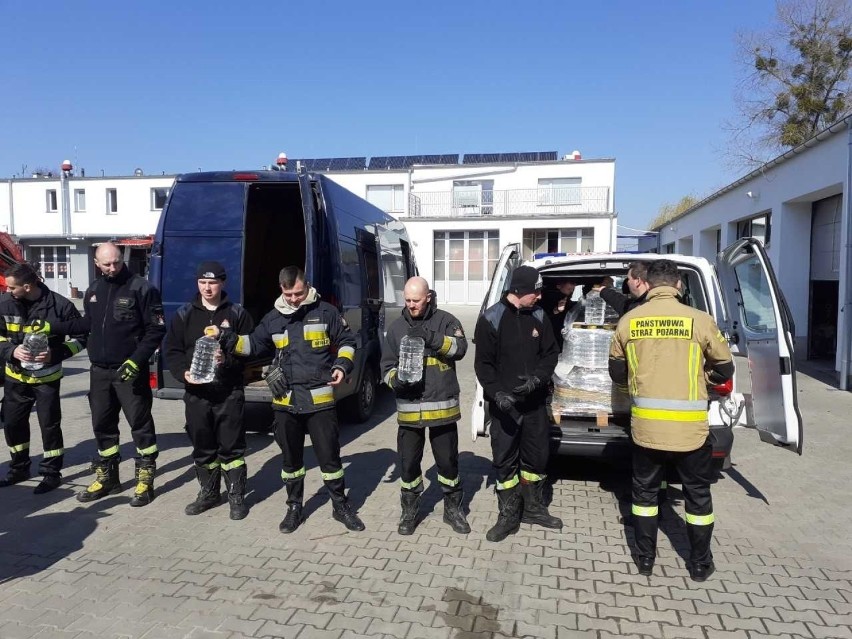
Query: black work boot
point(509, 517)
point(106, 479)
point(143, 494)
point(19, 467)
point(701, 564)
point(454, 513)
point(409, 502)
point(292, 520)
point(235, 480)
point(342, 511)
point(210, 495)
point(535, 512)
point(48, 483)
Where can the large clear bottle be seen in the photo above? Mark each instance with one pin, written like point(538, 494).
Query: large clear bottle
point(36, 344)
point(595, 308)
point(203, 367)
point(410, 369)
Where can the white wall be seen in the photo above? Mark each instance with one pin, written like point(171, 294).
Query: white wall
point(787, 191)
point(134, 216)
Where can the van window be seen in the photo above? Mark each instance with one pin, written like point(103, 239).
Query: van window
point(758, 311)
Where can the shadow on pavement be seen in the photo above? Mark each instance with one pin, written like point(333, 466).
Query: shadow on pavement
point(30, 543)
point(750, 489)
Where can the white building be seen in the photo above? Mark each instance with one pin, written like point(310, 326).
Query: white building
point(798, 204)
point(459, 212)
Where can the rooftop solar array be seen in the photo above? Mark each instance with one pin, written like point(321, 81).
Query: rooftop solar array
point(399, 162)
point(499, 158)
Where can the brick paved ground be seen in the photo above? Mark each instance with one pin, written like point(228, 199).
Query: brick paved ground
point(105, 570)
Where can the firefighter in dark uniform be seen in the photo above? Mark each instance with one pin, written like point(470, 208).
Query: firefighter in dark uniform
point(637, 287)
point(432, 402)
point(669, 409)
point(304, 332)
point(124, 318)
point(30, 302)
point(214, 411)
point(515, 357)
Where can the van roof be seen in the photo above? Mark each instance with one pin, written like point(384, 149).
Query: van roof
point(240, 176)
point(548, 262)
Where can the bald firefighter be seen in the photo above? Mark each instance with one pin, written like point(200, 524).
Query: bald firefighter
point(432, 402)
point(669, 410)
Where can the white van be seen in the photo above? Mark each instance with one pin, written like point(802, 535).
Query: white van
point(742, 294)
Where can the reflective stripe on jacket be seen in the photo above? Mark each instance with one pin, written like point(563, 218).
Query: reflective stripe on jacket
point(667, 346)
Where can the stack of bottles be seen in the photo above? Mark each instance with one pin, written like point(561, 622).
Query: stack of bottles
point(582, 386)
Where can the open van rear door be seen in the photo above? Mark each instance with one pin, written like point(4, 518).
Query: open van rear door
point(310, 216)
point(762, 327)
point(510, 258)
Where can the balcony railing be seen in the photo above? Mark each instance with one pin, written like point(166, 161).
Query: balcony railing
point(577, 200)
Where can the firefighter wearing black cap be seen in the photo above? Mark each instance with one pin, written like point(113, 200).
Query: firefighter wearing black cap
point(124, 319)
point(432, 402)
point(214, 411)
point(303, 332)
point(516, 354)
point(30, 303)
point(669, 410)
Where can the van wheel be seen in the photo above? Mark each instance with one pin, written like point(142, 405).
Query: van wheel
point(358, 407)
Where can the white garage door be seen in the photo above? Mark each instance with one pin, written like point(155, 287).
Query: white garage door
point(463, 263)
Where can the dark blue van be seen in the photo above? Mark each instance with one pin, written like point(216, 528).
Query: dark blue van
point(256, 222)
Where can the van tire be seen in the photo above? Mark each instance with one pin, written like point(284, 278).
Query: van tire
point(358, 407)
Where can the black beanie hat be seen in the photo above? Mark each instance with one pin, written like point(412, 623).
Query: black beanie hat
point(525, 280)
point(210, 270)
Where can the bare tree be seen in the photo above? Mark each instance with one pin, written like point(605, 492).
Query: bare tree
point(670, 211)
point(796, 79)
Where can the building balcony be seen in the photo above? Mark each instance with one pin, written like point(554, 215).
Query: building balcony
point(565, 201)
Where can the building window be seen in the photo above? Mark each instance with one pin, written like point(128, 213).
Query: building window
point(79, 200)
point(52, 206)
point(572, 240)
point(473, 197)
point(668, 248)
point(112, 200)
point(465, 255)
point(158, 198)
point(559, 191)
point(388, 197)
point(759, 228)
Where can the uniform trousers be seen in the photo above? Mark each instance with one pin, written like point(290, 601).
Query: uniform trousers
point(445, 447)
point(519, 449)
point(696, 474)
point(107, 396)
point(214, 422)
point(18, 401)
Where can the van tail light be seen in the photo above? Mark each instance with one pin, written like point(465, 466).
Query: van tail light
point(724, 389)
point(153, 380)
point(245, 177)
point(719, 453)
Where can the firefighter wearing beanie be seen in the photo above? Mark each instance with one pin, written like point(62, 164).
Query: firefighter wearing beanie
point(516, 354)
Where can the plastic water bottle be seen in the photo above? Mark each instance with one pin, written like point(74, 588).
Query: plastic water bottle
point(203, 367)
point(410, 369)
point(595, 308)
point(36, 344)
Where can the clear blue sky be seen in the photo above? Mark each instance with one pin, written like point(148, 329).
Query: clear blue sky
point(173, 86)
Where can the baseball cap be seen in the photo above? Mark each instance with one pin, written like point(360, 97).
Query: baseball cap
point(525, 280)
point(210, 270)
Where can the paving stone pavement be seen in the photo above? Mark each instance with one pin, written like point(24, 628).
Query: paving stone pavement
point(782, 547)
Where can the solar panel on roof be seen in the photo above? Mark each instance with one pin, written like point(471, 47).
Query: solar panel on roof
point(338, 164)
point(471, 158)
point(411, 160)
point(488, 158)
point(528, 157)
point(450, 158)
point(356, 164)
point(547, 156)
point(509, 157)
point(431, 159)
point(396, 162)
point(378, 162)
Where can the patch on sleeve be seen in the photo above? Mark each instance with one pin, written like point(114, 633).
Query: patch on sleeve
point(458, 331)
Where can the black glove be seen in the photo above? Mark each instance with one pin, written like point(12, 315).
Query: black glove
point(228, 340)
point(531, 382)
point(430, 338)
point(128, 371)
point(504, 401)
point(277, 382)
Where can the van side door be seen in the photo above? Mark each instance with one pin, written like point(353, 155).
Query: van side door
point(310, 215)
point(761, 326)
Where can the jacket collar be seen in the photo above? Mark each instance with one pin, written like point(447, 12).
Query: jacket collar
point(663, 292)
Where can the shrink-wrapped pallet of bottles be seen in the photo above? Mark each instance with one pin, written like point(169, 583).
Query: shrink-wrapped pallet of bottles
point(581, 382)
